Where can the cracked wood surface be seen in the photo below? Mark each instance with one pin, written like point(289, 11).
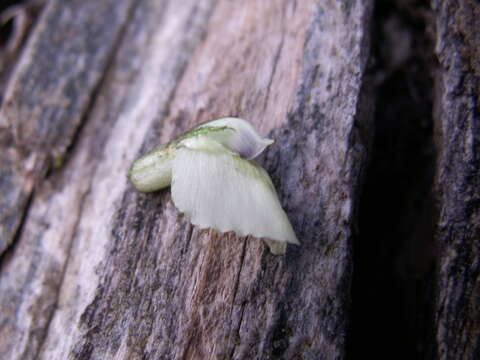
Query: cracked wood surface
point(457, 113)
point(100, 271)
point(49, 94)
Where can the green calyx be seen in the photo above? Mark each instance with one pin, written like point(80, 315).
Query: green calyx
point(203, 130)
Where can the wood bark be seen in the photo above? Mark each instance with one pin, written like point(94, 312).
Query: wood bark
point(457, 114)
point(93, 269)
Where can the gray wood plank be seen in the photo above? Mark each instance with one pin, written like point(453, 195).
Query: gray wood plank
point(48, 95)
point(101, 271)
point(457, 115)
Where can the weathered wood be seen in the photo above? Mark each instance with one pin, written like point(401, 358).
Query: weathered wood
point(101, 271)
point(49, 94)
point(16, 23)
point(457, 113)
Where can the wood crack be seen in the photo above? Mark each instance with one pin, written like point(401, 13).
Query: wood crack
point(235, 291)
point(9, 250)
point(276, 59)
point(62, 276)
point(70, 149)
point(274, 69)
point(100, 82)
point(236, 339)
point(396, 215)
point(237, 281)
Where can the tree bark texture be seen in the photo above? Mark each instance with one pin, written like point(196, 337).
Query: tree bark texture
point(98, 270)
point(92, 269)
point(457, 116)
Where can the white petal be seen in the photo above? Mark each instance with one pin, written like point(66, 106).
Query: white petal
point(244, 140)
point(215, 188)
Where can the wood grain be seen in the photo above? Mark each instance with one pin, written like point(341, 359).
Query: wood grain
point(48, 95)
point(458, 126)
point(100, 271)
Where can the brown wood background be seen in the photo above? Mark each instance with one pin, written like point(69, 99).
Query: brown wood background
point(373, 106)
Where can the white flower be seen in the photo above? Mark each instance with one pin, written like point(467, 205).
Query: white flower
point(216, 184)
